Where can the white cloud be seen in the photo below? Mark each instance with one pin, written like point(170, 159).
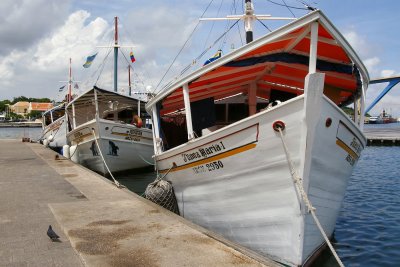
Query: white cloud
point(389, 73)
point(48, 59)
point(24, 22)
point(74, 39)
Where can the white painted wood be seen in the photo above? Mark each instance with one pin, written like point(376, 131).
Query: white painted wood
point(188, 112)
point(251, 200)
point(312, 68)
point(73, 115)
point(156, 130)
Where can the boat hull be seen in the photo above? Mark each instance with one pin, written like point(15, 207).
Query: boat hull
point(56, 133)
point(237, 182)
point(123, 146)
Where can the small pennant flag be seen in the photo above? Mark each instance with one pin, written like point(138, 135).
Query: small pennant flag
point(76, 86)
point(61, 88)
point(214, 57)
point(132, 57)
point(89, 61)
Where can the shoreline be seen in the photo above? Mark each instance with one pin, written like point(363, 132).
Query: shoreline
point(21, 124)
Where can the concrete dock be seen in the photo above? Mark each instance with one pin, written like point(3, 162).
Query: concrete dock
point(98, 224)
point(382, 136)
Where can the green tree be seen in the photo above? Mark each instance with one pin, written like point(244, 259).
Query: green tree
point(3, 105)
point(34, 114)
point(30, 99)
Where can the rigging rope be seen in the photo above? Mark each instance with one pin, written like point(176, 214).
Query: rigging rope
point(301, 8)
point(288, 8)
point(264, 25)
point(298, 181)
point(173, 61)
point(104, 161)
point(240, 34)
point(212, 25)
point(102, 66)
point(205, 51)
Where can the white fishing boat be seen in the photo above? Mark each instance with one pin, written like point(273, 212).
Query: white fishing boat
point(256, 144)
point(109, 131)
point(54, 132)
point(54, 128)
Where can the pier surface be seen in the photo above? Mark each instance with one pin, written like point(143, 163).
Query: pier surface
point(382, 136)
point(98, 224)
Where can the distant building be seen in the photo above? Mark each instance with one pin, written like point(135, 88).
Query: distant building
point(20, 108)
point(33, 106)
point(23, 108)
point(2, 117)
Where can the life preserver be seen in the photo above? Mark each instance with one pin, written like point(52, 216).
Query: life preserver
point(137, 121)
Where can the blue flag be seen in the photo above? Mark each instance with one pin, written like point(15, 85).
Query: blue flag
point(214, 57)
point(61, 88)
point(89, 61)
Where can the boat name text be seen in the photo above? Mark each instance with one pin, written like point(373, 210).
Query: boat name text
point(212, 166)
point(203, 152)
point(354, 144)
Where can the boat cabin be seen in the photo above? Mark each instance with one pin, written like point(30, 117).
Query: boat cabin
point(108, 105)
point(259, 75)
point(53, 114)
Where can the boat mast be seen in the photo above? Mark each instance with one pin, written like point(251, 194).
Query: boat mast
point(248, 20)
point(69, 97)
point(116, 54)
point(129, 80)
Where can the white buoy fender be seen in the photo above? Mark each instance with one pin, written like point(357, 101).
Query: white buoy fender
point(50, 138)
point(66, 151)
point(45, 142)
point(73, 153)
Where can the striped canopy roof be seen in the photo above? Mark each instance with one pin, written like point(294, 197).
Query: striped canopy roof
point(277, 61)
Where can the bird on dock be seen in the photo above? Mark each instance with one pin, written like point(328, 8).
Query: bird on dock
point(53, 236)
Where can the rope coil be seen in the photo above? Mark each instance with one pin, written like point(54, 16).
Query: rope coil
point(298, 181)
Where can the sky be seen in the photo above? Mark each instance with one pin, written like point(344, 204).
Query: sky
point(39, 36)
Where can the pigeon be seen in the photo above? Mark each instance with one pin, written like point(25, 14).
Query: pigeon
point(53, 236)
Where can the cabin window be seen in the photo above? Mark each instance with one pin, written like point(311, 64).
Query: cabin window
point(280, 96)
point(203, 115)
point(173, 130)
point(237, 112)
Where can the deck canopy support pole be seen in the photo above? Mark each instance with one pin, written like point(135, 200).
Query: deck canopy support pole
point(252, 98)
point(73, 116)
point(51, 116)
point(188, 111)
point(156, 130)
point(313, 48)
point(96, 103)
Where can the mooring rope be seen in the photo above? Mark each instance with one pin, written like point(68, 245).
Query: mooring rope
point(105, 164)
point(173, 166)
point(298, 181)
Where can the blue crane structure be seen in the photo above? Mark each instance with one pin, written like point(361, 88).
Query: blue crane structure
point(392, 82)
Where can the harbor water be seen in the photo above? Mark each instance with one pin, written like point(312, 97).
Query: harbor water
point(367, 232)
